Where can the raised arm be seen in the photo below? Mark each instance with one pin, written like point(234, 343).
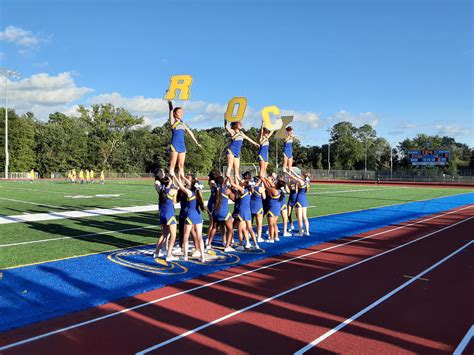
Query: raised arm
point(182, 187)
point(229, 130)
point(260, 134)
point(171, 116)
point(237, 186)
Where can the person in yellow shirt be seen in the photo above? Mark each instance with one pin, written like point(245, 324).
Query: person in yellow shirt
point(88, 176)
point(92, 175)
point(81, 176)
point(102, 177)
point(32, 175)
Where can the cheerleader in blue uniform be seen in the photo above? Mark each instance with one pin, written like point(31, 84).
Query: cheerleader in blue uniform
point(256, 205)
point(221, 214)
point(292, 202)
point(288, 149)
point(301, 204)
point(193, 221)
point(264, 140)
point(177, 144)
point(244, 214)
point(167, 195)
point(273, 190)
point(233, 152)
point(284, 209)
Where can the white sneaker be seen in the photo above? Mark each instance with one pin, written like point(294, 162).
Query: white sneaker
point(172, 258)
point(307, 234)
point(196, 254)
point(270, 241)
point(261, 240)
point(248, 246)
point(300, 234)
point(228, 249)
point(257, 246)
point(287, 234)
point(277, 238)
point(240, 248)
point(177, 250)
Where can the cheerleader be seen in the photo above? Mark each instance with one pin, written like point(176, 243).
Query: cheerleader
point(291, 202)
point(273, 190)
point(193, 222)
point(177, 144)
point(233, 152)
point(301, 204)
point(221, 214)
point(182, 198)
point(264, 140)
point(167, 195)
point(288, 149)
point(284, 209)
point(256, 205)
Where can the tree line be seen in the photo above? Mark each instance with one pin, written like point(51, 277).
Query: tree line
point(105, 137)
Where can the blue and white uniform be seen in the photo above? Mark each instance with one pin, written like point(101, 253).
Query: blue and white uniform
point(256, 202)
point(177, 139)
point(212, 200)
point(301, 199)
point(292, 197)
point(244, 206)
point(236, 144)
point(193, 212)
point(274, 206)
point(283, 205)
point(288, 147)
point(222, 214)
point(167, 216)
point(263, 150)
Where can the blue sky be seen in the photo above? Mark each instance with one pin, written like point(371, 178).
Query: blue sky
point(404, 66)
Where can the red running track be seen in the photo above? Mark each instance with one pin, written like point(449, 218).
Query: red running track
point(427, 316)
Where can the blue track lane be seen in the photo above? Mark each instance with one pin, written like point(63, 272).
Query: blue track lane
point(34, 293)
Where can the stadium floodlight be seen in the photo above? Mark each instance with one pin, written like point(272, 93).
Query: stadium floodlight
point(365, 165)
point(329, 150)
point(7, 73)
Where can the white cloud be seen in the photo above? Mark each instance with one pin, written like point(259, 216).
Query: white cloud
point(19, 37)
point(359, 119)
point(452, 130)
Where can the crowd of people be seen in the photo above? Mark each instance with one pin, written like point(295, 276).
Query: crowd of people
point(253, 198)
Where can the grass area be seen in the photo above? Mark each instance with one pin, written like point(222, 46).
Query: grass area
point(82, 236)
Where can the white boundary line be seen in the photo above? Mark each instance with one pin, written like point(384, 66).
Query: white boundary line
point(93, 320)
point(379, 301)
point(348, 191)
point(254, 305)
point(30, 203)
point(78, 236)
point(467, 338)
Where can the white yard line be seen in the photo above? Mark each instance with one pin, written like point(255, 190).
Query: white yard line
point(31, 203)
point(345, 191)
point(379, 301)
point(141, 305)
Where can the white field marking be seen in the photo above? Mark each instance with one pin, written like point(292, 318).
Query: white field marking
point(37, 217)
point(380, 300)
point(254, 305)
point(467, 338)
point(126, 310)
point(30, 203)
point(78, 236)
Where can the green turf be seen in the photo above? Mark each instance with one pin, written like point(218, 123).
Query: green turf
point(324, 199)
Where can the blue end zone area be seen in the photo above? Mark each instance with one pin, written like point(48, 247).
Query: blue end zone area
point(34, 293)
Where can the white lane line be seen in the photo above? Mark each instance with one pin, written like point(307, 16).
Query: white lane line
point(233, 314)
point(77, 236)
point(126, 310)
point(348, 191)
point(379, 301)
point(465, 341)
point(31, 203)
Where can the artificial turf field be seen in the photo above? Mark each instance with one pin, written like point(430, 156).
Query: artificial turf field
point(27, 243)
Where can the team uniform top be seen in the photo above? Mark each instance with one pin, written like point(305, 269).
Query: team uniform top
point(256, 203)
point(177, 138)
point(301, 199)
point(222, 214)
point(236, 144)
point(193, 212)
point(288, 147)
point(263, 150)
point(244, 206)
point(283, 205)
point(183, 201)
point(212, 200)
point(167, 210)
point(292, 197)
point(274, 205)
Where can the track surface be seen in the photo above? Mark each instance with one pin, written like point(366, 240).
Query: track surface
point(426, 316)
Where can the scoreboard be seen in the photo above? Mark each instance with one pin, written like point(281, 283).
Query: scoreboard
point(428, 156)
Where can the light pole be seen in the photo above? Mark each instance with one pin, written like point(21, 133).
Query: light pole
point(7, 73)
point(366, 141)
point(329, 151)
